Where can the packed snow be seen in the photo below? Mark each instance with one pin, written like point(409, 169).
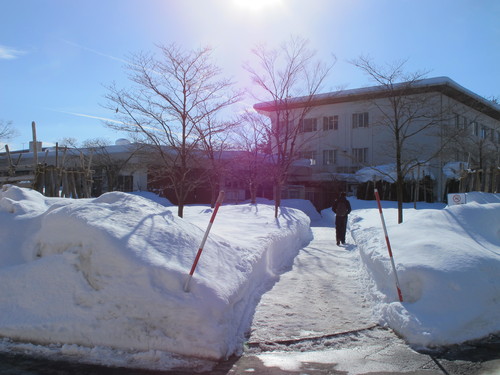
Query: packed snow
point(448, 266)
point(109, 271)
point(101, 279)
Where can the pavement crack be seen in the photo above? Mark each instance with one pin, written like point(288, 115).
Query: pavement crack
point(271, 345)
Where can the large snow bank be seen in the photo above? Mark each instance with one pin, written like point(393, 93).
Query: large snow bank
point(109, 271)
point(448, 262)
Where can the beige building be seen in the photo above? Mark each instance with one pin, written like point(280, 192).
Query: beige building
point(343, 132)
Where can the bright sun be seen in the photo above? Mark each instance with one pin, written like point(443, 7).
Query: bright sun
point(256, 5)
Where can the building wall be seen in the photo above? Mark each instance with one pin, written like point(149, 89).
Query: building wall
point(355, 147)
point(375, 137)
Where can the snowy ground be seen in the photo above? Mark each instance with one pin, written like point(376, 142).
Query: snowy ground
point(322, 295)
point(100, 280)
point(448, 262)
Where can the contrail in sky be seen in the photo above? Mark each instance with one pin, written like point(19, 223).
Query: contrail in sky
point(89, 116)
point(96, 52)
point(107, 56)
point(102, 118)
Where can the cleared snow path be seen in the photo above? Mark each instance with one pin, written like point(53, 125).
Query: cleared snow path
point(321, 295)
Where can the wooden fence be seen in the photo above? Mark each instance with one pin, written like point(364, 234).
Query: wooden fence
point(52, 180)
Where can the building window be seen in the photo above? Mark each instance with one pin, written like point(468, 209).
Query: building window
point(284, 124)
point(308, 125)
point(311, 155)
point(331, 123)
point(360, 120)
point(125, 183)
point(360, 155)
point(460, 122)
point(329, 157)
point(475, 128)
point(484, 132)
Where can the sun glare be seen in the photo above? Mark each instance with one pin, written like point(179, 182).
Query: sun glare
point(256, 5)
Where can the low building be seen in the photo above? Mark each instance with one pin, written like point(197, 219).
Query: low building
point(343, 132)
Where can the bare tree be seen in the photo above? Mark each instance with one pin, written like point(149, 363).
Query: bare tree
point(109, 166)
point(171, 98)
point(406, 113)
point(494, 99)
point(6, 130)
point(291, 71)
point(478, 146)
point(95, 153)
point(213, 138)
point(253, 164)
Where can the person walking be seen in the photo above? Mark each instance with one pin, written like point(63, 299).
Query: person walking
point(342, 208)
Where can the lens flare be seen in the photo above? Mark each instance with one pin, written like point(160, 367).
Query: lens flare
point(256, 5)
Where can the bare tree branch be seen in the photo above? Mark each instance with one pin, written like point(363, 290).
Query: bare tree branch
point(283, 73)
point(405, 113)
point(168, 105)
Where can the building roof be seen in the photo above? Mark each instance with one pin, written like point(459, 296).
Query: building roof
point(444, 85)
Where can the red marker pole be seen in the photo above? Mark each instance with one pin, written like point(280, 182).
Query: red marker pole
point(400, 295)
point(217, 205)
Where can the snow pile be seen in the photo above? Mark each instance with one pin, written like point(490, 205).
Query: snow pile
point(104, 277)
point(448, 262)
point(109, 271)
point(300, 204)
point(454, 169)
point(387, 173)
point(480, 197)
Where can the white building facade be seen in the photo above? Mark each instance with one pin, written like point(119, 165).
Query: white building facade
point(343, 132)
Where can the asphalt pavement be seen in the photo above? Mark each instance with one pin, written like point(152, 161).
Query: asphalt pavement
point(320, 323)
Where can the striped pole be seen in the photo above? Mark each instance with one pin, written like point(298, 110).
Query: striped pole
point(217, 205)
point(400, 295)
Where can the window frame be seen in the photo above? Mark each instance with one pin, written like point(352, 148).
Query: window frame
point(312, 155)
point(360, 120)
point(475, 128)
point(308, 125)
point(360, 155)
point(330, 122)
point(329, 157)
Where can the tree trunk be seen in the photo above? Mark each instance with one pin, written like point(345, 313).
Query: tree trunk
point(399, 189)
point(180, 210)
point(253, 193)
point(181, 197)
point(277, 199)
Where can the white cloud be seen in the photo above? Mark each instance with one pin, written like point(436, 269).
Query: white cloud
point(8, 53)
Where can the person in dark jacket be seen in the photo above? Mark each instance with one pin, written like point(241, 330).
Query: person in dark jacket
point(342, 208)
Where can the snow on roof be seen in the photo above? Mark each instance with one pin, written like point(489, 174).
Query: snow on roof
point(387, 172)
point(443, 84)
point(454, 168)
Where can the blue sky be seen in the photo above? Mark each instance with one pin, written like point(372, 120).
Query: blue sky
point(57, 56)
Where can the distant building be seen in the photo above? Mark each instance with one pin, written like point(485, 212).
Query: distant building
point(91, 171)
point(344, 133)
